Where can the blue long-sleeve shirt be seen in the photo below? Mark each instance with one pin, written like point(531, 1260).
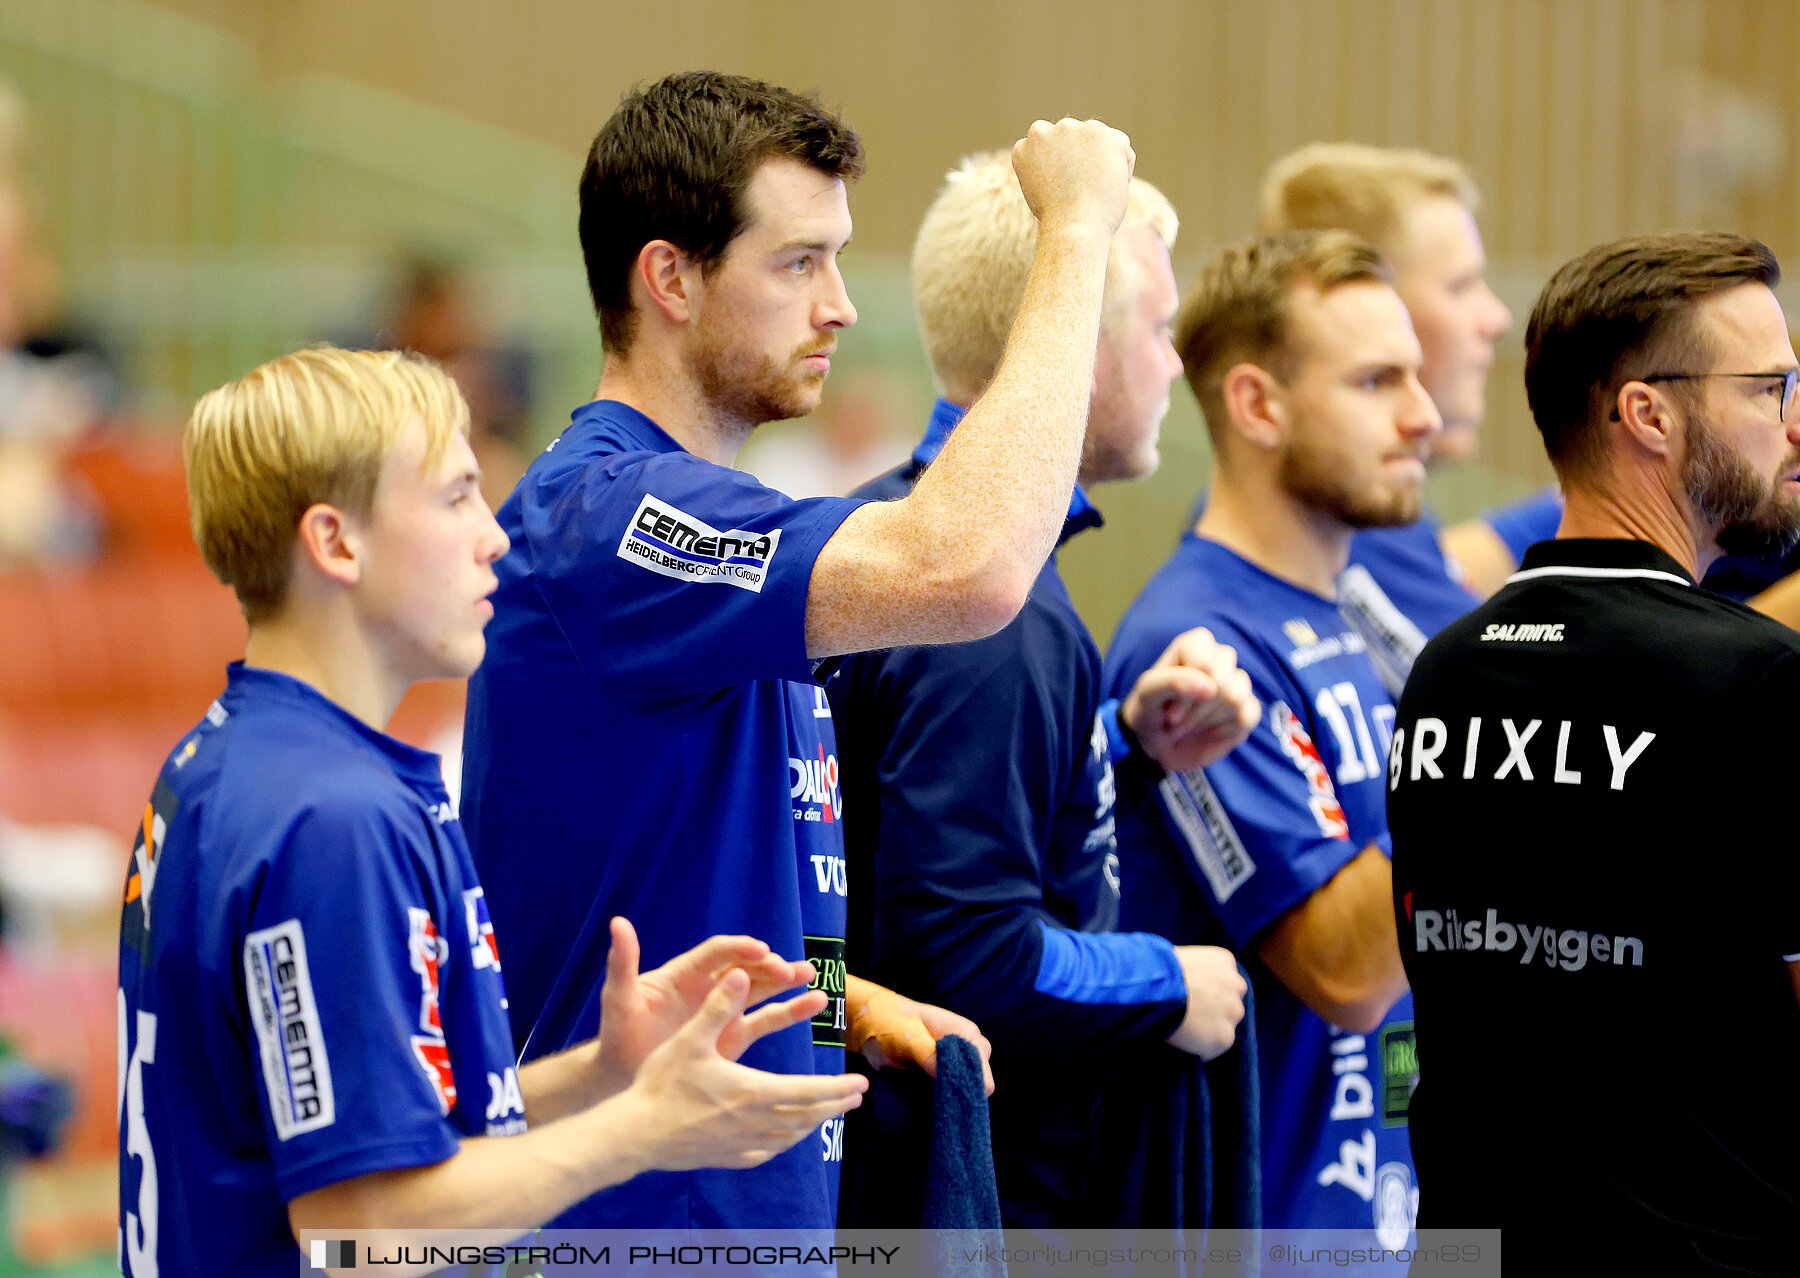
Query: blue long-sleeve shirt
point(978, 795)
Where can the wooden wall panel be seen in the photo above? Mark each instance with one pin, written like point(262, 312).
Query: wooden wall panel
point(1563, 110)
point(1555, 103)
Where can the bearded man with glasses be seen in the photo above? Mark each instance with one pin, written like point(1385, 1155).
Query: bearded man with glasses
point(1605, 960)
point(1755, 517)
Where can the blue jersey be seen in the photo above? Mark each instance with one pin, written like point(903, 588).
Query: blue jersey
point(1739, 577)
point(1526, 521)
point(645, 739)
point(1417, 590)
point(1225, 852)
point(1410, 566)
point(980, 834)
point(1742, 577)
point(309, 988)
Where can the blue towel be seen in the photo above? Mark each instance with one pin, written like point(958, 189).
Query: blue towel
point(959, 1175)
point(1180, 1145)
point(935, 1165)
point(962, 1202)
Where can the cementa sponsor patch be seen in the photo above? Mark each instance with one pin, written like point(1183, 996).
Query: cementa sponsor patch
point(673, 543)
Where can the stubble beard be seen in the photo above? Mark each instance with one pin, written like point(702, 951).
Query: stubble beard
point(1102, 460)
point(1315, 478)
point(1752, 517)
point(751, 387)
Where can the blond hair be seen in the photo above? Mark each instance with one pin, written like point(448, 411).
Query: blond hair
point(314, 426)
point(1353, 187)
point(1240, 308)
point(972, 255)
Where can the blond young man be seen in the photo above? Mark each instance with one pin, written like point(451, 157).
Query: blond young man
point(312, 1015)
point(978, 777)
point(1307, 370)
point(1418, 211)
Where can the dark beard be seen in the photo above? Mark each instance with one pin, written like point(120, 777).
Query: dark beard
point(1752, 518)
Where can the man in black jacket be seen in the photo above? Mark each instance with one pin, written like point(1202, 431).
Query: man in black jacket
point(1605, 958)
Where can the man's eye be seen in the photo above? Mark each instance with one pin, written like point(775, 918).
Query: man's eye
point(801, 266)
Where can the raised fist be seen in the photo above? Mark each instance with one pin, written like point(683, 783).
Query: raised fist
point(1075, 172)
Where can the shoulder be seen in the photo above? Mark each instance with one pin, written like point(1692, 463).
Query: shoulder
point(590, 470)
point(322, 789)
point(1666, 625)
point(1045, 646)
point(1770, 650)
point(1199, 586)
point(1744, 624)
point(648, 519)
point(1174, 593)
point(1418, 539)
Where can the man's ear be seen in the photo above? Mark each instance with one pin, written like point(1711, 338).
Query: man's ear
point(664, 277)
point(1254, 403)
point(1646, 418)
point(329, 543)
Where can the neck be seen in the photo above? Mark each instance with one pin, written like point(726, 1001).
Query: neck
point(656, 384)
point(1284, 537)
point(337, 661)
point(1640, 507)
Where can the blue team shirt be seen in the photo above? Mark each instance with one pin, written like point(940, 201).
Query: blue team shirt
point(1527, 521)
point(1219, 855)
point(309, 988)
point(645, 738)
point(1535, 518)
point(1419, 589)
point(1410, 566)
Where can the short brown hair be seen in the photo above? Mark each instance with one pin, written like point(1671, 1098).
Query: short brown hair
point(673, 163)
point(1365, 189)
point(1239, 308)
point(314, 426)
point(1622, 312)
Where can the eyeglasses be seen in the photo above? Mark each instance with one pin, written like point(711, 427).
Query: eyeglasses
point(1789, 379)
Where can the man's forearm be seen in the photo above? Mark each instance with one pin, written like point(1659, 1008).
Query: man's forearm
point(955, 559)
point(1005, 476)
point(1338, 951)
point(513, 1182)
point(555, 1086)
point(1027, 981)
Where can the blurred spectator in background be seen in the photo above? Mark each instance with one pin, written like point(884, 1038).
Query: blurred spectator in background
point(35, 1105)
point(55, 386)
point(104, 624)
point(434, 307)
point(434, 311)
